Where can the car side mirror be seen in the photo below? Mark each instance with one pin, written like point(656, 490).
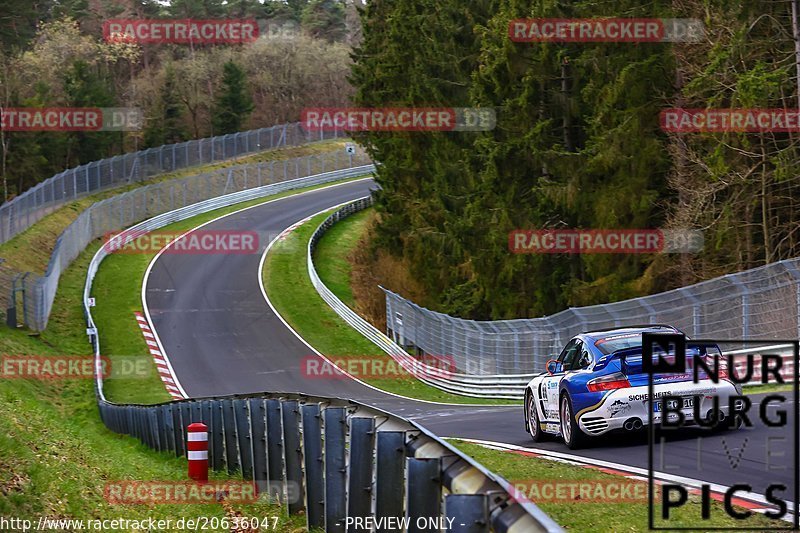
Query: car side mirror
point(554, 367)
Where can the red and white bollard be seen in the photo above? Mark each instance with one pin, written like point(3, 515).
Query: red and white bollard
point(197, 451)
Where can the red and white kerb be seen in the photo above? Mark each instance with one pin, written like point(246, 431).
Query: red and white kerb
point(158, 357)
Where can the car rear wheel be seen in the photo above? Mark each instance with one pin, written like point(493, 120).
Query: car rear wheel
point(532, 418)
point(573, 436)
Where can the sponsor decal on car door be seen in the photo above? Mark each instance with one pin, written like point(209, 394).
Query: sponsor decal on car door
point(550, 395)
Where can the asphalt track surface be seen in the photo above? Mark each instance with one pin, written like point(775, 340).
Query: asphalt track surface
point(222, 337)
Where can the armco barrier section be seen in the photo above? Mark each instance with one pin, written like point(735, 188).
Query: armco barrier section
point(327, 458)
point(332, 459)
point(199, 193)
point(758, 304)
point(497, 386)
point(20, 213)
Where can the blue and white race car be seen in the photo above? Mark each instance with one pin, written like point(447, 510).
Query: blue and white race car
point(596, 385)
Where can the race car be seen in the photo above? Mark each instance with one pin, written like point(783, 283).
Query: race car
point(596, 386)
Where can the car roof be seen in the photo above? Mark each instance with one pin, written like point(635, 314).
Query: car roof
point(648, 328)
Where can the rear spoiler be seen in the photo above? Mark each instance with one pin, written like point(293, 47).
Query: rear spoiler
point(700, 347)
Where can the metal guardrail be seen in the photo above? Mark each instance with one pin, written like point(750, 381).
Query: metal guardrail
point(331, 459)
point(23, 211)
point(165, 197)
point(497, 386)
point(327, 458)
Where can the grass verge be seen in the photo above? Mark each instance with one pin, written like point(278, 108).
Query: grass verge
point(295, 298)
point(536, 477)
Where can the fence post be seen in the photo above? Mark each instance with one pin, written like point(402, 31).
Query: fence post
point(389, 475)
point(312, 455)
point(362, 446)
point(468, 513)
point(335, 472)
point(423, 492)
point(293, 455)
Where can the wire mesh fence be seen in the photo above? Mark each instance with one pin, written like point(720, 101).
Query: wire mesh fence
point(125, 209)
point(20, 213)
point(758, 304)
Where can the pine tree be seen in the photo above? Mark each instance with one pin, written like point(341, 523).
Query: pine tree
point(234, 103)
point(86, 86)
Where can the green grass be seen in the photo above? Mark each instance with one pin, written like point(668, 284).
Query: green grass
point(769, 387)
point(56, 456)
point(332, 253)
point(530, 474)
point(291, 292)
point(118, 291)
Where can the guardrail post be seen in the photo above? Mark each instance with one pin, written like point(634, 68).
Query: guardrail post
point(186, 419)
point(169, 429)
point(229, 425)
point(147, 426)
point(245, 442)
point(362, 446)
point(293, 455)
point(177, 429)
point(467, 513)
point(258, 432)
point(196, 408)
point(274, 451)
point(217, 435)
point(205, 413)
point(313, 461)
point(389, 475)
point(424, 492)
point(161, 437)
point(140, 425)
point(335, 471)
